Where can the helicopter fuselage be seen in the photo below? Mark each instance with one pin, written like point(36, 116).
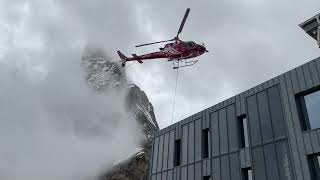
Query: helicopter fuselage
point(173, 51)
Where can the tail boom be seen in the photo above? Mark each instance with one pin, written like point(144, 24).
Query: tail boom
point(124, 58)
point(154, 55)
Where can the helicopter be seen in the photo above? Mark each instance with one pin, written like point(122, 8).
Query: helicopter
point(179, 52)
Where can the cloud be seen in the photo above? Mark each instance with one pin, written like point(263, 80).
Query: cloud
point(52, 125)
point(59, 128)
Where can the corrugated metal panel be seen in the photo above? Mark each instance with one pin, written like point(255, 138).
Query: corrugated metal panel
point(191, 144)
point(243, 105)
point(314, 141)
point(232, 128)
point(235, 166)
point(176, 173)
point(208, 167)
point(307, 143)
point(198, 131)
point(297, 127)
point(165, 152)
point(314, 73)
point(223, 129)
point(225, 167)
point(170, 175)
point(271, 162)
point(248, 157)
point(307, 76)
point(171, 150)
point(238, 105)
point(164, 176)
point(197, 171)
point(215, 134)
point(284, 161)
point(301, 80)
point(191, 172)
point(264, 116)
point(294, 80)
point(160, 154)
point(153, 177)
point(184, 173)
point(204, 168)
point(158, 176)
point(184, 142)
point(276, 112)
point(317, 61)
point(253, 119)
point(155, 155)
point(216, 173)
point(242, 158)
point(291, 129)
point(259, 169)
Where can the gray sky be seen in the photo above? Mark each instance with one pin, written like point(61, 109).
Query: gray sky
point(250, 41)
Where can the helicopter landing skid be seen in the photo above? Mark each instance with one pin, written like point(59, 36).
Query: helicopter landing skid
point(180, 63)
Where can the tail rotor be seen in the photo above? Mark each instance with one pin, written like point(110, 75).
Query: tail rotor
point(123, 58)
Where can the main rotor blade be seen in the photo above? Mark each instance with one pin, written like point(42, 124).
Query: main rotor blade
point(154, 43)
point(183, 21)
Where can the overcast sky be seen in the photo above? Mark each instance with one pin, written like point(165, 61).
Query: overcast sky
point(250, 41)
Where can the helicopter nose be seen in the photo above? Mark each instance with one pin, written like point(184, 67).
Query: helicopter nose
point(203, 48)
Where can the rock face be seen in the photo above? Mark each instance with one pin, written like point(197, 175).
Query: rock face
point(103, 74)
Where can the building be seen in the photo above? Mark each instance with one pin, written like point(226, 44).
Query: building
point(312, 27)
point(269, 132)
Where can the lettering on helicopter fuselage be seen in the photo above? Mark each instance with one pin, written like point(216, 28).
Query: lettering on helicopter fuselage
point(170, 50)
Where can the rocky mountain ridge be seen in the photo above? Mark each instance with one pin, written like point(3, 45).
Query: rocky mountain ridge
point(103, 74)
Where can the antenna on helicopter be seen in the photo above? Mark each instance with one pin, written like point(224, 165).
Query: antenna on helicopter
point(176, 38)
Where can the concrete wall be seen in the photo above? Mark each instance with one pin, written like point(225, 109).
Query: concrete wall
point(278, 145)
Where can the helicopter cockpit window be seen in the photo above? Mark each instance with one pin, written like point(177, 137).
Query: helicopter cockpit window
point(190, 44)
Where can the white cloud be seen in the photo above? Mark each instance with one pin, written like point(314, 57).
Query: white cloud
point(52, 126)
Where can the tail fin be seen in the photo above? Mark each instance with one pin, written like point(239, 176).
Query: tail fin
point(123, 58)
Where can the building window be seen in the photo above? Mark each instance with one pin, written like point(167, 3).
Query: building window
point(206, 177)
point(177, 152)
point(308, 106)
point(243, 132)
point(314, 163)
point(205, 143)
point(247, 174)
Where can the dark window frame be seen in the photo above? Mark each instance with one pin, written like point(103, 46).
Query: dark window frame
point(245, 173)
point(314, 166)
point(177, 153)
point(302, 108)
point(205, 138)
point(206, 177)
point(242, 138)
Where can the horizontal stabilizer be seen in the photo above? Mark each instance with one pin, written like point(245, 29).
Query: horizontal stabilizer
point(137, 58)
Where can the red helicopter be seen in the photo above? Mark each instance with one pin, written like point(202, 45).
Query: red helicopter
point(179, 52)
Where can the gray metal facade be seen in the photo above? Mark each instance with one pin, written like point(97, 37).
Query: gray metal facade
point(278, 145)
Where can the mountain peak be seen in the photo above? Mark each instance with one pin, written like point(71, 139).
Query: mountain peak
point(103, 74)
